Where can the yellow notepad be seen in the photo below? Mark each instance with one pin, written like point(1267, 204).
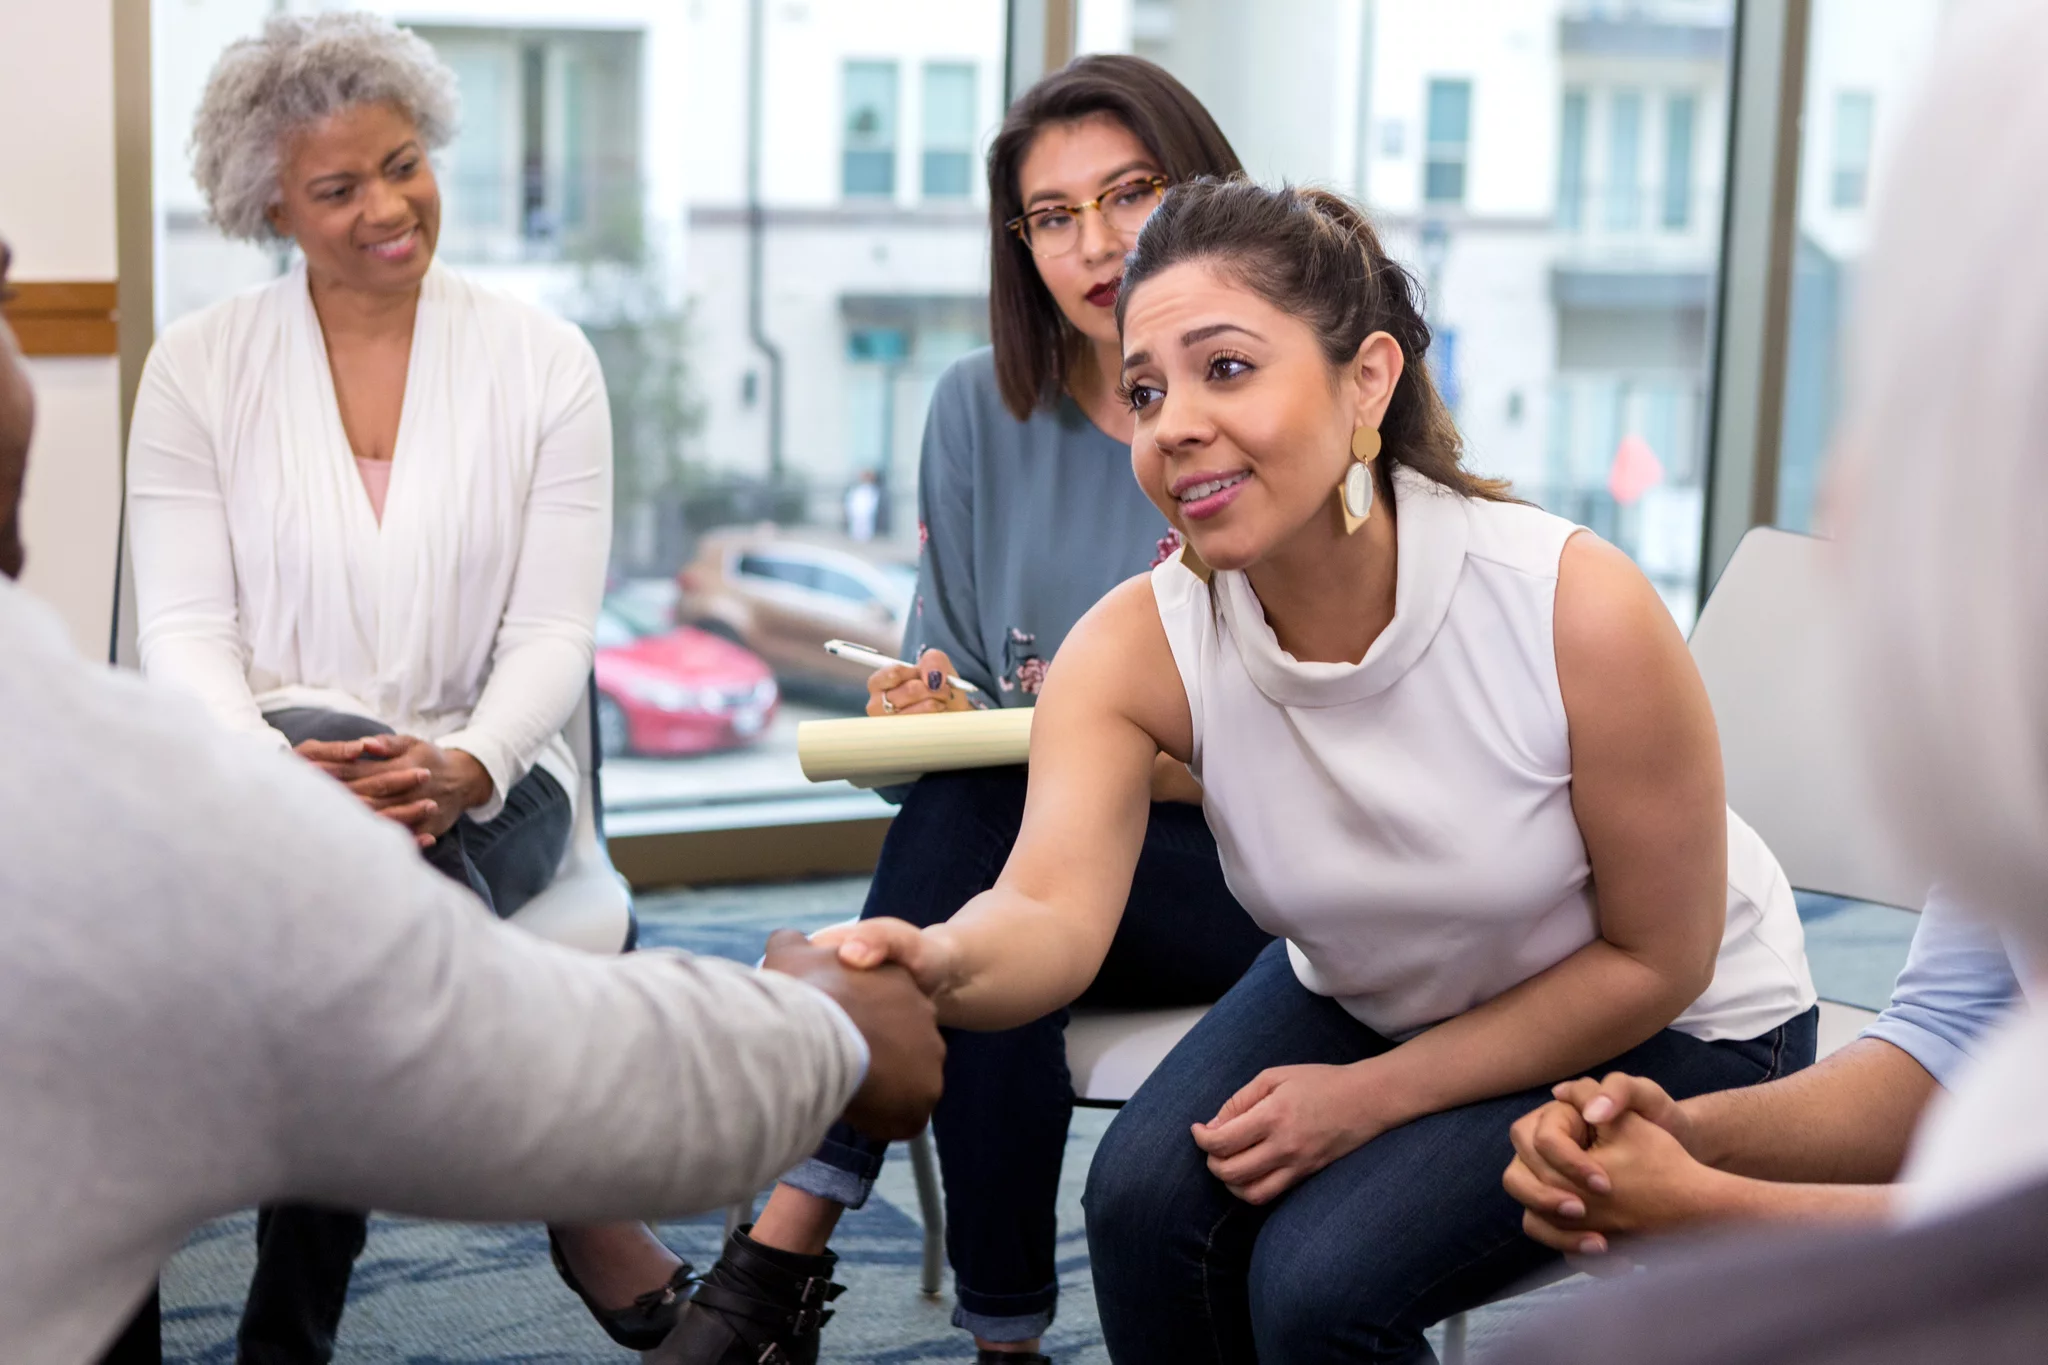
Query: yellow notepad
point(881, 751)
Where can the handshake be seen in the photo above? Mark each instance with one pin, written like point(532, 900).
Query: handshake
point(893, 1010)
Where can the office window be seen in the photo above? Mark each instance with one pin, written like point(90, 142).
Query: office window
point(1860, 54)
point(1571, 162)
point(948, 130)
point(1624, 160)
point(1679, 117)
point(868, 167)
point(1855, 115)
point(1448, 142)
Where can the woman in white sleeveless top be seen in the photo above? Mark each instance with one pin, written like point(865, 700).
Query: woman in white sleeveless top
point(1455, 754)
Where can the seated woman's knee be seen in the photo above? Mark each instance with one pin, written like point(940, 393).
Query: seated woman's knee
point(1146, 1177)
point(1309, 1302)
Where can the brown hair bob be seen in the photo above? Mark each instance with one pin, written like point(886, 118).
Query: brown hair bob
point(1033, 340)
point(1314, 254)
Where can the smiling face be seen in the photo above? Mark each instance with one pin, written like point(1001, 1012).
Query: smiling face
point(359, 197)
point(17, 417)
point(1243, 425)
point(1072, 163)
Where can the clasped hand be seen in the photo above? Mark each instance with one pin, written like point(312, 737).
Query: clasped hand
point(413, 781)
point(1289, 1123)
point(1604, 1159)
point(906, 1056)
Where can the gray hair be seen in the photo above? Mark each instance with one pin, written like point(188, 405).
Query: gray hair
point(1947, 470)
point(299, 71)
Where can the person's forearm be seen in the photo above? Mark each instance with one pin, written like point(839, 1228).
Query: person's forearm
point(1594, 1005)
point(510, 1080)
point(1735, 1198)
point(208, 667)
point(1015, 959)
point(1847, 1119)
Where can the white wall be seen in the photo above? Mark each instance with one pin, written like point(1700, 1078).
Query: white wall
point(57, 179)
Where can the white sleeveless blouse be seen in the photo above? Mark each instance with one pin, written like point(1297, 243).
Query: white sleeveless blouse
point(1405, 823)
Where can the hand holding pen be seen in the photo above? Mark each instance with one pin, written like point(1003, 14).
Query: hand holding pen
point(898, 688)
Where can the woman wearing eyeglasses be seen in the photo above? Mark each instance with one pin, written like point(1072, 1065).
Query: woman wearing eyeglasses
point(1028, 514)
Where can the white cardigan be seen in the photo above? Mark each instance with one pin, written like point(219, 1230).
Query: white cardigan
point(263, 580)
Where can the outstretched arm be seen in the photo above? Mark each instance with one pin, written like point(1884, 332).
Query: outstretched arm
point(1032, 943)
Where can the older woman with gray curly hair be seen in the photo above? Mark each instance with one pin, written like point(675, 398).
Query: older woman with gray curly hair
point(371, 505)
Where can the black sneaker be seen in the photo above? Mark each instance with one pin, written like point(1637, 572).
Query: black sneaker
point(757, 1306)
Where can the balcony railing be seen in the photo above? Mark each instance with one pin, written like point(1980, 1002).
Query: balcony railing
point(595, 212)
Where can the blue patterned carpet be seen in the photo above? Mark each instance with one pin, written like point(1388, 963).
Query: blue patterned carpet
point(453, 1294)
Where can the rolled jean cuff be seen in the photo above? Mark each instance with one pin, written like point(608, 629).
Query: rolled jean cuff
point(843, 1172)
point(1006, 1317)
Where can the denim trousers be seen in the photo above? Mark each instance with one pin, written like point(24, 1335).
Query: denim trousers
point(305, 1253)
point(1353, 1263)
point(1001, 1128)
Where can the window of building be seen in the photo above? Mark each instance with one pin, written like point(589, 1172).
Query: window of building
point(1855, 119)
point(547, 161)
point(1448, 143)
point(1571, 162)
point(948, 130)
point(1624, 160)
point(1859, 54)
point(868, 163)
point(1680, 114)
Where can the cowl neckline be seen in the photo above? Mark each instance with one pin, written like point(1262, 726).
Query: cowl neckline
point(1429, 555)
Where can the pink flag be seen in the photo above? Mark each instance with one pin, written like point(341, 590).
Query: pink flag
point(1635, 472)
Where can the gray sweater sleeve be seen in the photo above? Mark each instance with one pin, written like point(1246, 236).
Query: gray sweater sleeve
point(430, 1060)
point(947, 614)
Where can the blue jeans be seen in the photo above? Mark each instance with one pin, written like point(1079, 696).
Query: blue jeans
point(1353, 1263)
point(1001, 1128)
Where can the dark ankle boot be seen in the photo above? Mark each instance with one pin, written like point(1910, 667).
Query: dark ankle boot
point(987, 1357)
point(757, 1306)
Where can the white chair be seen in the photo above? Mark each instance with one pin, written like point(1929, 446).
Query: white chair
point(588, 905)
point(1763, 644)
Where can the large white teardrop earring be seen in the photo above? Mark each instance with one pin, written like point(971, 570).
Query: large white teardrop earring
point(1354, 495)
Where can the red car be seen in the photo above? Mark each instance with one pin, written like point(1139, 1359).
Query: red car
point(680, 691)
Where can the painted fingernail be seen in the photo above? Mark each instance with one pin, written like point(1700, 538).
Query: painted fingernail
point(934, 680)
point(1600, 1110)
point(1599, 1184)
point(1572, 1208)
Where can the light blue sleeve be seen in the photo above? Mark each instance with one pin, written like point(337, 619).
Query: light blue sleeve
point(1957, 983)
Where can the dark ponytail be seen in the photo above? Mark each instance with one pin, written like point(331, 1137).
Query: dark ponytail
point(1315, 255)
